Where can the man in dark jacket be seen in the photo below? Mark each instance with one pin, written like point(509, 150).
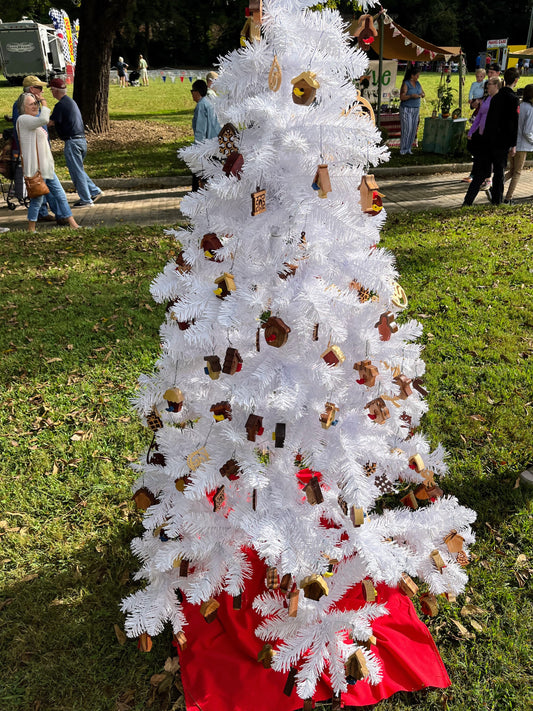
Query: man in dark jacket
point(501, 130)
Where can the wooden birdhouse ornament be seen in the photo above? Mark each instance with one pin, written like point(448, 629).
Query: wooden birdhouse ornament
point(254, 427)
point(366, 32)
point(357, 516)
point(258, 202)
point(221, 411)
point(367, 373)
point(333, 356)
point(313, 491)
point(210, 243)
point(213, 367)
point(227, 139)
point(371, 198)
point(429, 604)
point(276, 332)
point(407, 585)
point(410, 501)
point(251, 32)
point(294, 598)
point(219, 498)
point(321, 181)
point(230, 470)
point(209, 608)
point(378, 410)
point(327, 418)
point(266, 655)
point(454, 541)
point(174, 398)
point(179, 640)
point(286, 584)
point(225, 285)
point(181, 265)
point(145, 642)
point(437, 560)
point(356, 667)
point(144, 498)
point(291, 681)
point(386, 325)
point(417, 463)
point(233, 165)
point(304, 88)
point(404, 383)
point(370, 594)
point(314, 587)
point(232, 362)
point(279, 435)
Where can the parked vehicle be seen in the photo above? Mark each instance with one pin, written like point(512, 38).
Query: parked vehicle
point(27, 47)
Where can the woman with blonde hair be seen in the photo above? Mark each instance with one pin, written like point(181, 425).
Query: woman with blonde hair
point(37, 156)
point(524, 143)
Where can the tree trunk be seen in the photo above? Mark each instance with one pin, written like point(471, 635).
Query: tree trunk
point(98, 23)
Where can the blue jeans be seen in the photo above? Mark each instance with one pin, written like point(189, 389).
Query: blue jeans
point(75, 152)
point(57, 194)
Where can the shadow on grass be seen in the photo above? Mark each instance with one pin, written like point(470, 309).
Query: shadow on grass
point(59, 620)
point(73, 294)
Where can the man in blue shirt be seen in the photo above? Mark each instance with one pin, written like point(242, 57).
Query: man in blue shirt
point(66, 118)
point(204, 121)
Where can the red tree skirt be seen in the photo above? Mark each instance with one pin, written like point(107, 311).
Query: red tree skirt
point(220, 671)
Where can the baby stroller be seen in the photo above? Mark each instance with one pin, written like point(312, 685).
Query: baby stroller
point(11, 170)
point(134, 78)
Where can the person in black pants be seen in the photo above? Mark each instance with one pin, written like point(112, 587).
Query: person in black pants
point(477, 144)
point(501, 131)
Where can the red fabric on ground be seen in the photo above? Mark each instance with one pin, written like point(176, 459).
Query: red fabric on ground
point(220, 671)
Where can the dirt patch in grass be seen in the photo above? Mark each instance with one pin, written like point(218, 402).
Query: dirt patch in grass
point(124, 134)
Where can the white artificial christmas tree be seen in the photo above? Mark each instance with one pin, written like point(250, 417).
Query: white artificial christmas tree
point(281, 343)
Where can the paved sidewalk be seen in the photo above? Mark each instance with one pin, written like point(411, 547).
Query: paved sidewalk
point(157, 201)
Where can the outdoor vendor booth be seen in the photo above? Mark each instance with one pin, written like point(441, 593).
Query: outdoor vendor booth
point(391, 41)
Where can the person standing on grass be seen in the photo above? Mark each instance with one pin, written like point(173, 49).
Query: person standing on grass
point(524, 143)
point(143, 70)
point(501, 131)
point(210, 79)
point(410, 94)
point(204, 121)
point(477, 144)
point(36, 155)
point(66, 118)
point(121, 72)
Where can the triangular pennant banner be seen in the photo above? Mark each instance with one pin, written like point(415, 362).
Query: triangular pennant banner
point(419, 51)
point(395, 32)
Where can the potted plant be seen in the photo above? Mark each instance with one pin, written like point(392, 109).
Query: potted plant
point(445, 94)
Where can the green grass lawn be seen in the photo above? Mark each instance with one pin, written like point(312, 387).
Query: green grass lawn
point(167, 108)
point(79, 326)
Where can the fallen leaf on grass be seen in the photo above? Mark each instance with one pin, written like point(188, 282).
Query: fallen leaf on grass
point(476, 626)
point(477, 417)
point(467, 610)
point(517, 484)
point(53, 360)
point(29, 578)
point(172, 665)
point(462, 630)
point(125, 701)
point(5, 603)
point(121, 637)
point(521, 560)
point(81, 436)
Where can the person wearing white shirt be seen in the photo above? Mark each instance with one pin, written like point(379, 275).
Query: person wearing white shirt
point(36, 155)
